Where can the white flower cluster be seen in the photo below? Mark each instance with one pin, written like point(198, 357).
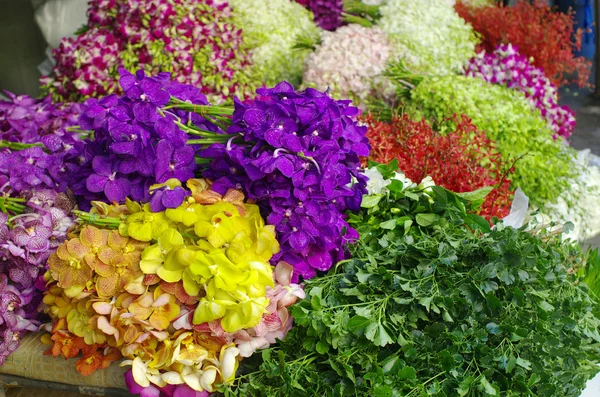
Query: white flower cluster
point(351, 61)
point(429, 36)
point(376, 184)
point(272, 28)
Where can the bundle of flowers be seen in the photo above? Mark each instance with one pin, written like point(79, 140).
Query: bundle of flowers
point(299, 160)
point(537, 31)
point(199, 42)
point(435, 42)
point(505, 66)
point(272, 28)
point(364, 52)
point(34, 210)
point(327, 13)
point(461, 161)
point(544, 167)
point(181, 294)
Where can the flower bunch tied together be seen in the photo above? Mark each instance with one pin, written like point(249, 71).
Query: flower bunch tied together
point(183, 294)
point(138, 142)
point(197, 41)
point(364, 52)
point(300, 162)
point(32, 225)
point(39, 143)
point(505, 66)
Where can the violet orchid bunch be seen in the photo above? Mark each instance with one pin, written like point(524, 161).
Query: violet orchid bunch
point(139, 142)
point(32, 226)
point(505, 66)
point(195, 40)
point(300, 162)
point(39, 145)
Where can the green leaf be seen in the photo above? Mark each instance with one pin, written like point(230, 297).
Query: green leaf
point(322, 347)
point(510, 366)
point(487, 387)
point(426, 219)
point(384, 391)
point(370, 201)
point(524, 363)
point(357, 324)
point(388, 225)
point(478, 194)
point(407, 373)
point(382, 338)
point(465, 386)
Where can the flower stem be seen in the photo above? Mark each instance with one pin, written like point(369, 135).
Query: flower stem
point(202, 110)
point(209, 141)
point(12, 205)
point(18, 145)
point(97, 220)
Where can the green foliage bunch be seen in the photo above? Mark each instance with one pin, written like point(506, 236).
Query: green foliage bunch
point(545, 167)
point(434, 303)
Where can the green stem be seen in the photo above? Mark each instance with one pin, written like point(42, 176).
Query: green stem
point(208, 141)
point(12, 205)
point(203, 110)
point(97, 220)
point(202, 160)
point(359, 8)
point(18, 145)
point(193, 130)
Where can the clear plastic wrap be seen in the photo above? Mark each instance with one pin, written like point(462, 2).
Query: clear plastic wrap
point(59, 18)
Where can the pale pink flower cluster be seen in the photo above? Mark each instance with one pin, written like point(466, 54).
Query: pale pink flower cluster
point(351, 61)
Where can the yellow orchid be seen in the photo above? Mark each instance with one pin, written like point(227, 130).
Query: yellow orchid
point(144, 225)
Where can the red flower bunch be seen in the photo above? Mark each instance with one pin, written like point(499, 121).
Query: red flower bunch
point(537, 31)
point(461, 161)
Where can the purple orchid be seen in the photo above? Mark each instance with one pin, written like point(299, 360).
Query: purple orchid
point(136, 143)
point(300, 162)
point(105, 179)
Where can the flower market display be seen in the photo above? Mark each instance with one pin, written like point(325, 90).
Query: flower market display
point(219, 46)
point(540, 33)
point(304, 198)
point(364, 52)
point(505, 66)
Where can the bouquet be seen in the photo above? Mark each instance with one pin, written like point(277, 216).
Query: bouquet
point(505, 66)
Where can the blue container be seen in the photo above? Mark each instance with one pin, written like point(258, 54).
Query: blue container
point(584, 19)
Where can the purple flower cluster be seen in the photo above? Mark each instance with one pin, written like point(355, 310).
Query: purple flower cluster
point(505, 66)
point(24, 120)
point(136, 143)
point(196, 40)
point(327, 13)
point(26, 242)
point(300, 162)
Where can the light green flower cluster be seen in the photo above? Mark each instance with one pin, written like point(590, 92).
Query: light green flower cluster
point(430, 37)
point(272, 28)
point(547, 167)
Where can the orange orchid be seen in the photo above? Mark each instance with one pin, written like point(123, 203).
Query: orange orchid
point(72, 263)
point(65, 344)
point(95, 360)
point(118, 264)
point(159, 307)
